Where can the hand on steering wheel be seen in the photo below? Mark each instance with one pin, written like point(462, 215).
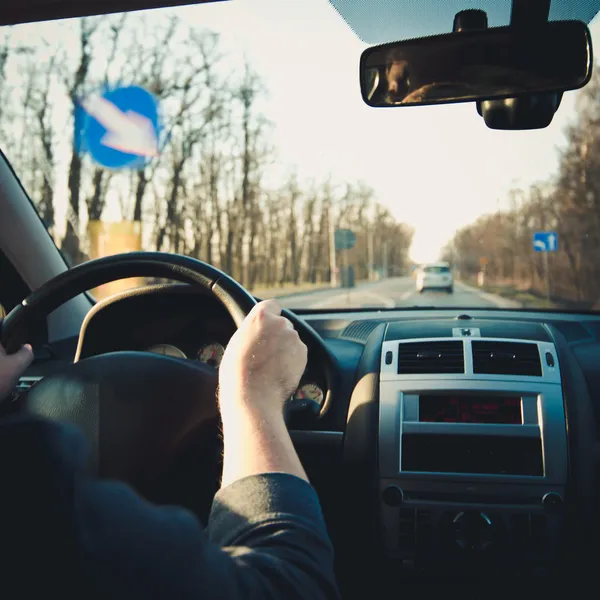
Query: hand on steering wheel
point(263, 363)
point(12, 366)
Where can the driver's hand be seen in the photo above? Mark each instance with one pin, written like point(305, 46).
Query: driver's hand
point(12, 366)
point(263, 363)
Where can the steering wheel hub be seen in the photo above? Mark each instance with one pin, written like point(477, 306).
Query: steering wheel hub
point(136, 408)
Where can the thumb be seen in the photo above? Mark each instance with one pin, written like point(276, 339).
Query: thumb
point(19, 361)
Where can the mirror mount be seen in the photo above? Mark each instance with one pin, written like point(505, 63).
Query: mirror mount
point(530, 111)
point(527, 111)
point(528, 14)
point(468, 20)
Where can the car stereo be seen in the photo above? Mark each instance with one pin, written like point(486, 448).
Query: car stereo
point(472, 453)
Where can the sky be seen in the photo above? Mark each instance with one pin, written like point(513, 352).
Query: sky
point(435, 168)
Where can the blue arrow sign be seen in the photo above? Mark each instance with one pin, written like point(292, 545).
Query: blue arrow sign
point(120, 127)
point(345, 239)
point(545, 241)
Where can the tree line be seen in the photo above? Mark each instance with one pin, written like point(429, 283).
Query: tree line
point(501, 244)
point(210, 192)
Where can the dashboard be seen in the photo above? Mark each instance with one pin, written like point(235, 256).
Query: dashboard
point(445, 443)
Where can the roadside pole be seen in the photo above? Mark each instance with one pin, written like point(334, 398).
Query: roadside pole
point(547, 273)
point(385, 259)
point(546, 241)
point(332, 263)
point(347, 271)
point(370, 253)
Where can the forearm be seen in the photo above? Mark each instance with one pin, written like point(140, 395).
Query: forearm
point(257, 441)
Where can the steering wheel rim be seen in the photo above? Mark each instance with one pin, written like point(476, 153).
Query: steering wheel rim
point(86, 393)
point(81, 278)
point(136, 409)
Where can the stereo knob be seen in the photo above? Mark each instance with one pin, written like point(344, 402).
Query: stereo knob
point(473, 531)
point(553, 503)
point(393, 495)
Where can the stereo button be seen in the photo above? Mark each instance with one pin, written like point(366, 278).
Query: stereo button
point(473, 531)
point(393, 495)
point(552, 503)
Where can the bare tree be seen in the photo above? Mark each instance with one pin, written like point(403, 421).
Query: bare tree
point(47, 132)
point(210, 191)
point(76, 88)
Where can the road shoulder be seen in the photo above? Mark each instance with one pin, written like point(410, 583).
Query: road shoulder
point(498, 301)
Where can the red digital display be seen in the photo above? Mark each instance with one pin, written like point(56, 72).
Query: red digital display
point(470, 409)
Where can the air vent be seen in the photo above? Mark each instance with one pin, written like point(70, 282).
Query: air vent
point(506, 358)
point(25, 383)
point(406, 530)
point(359, 331)
point(430, 357)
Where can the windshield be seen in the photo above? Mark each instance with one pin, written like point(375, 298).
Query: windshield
point(235, 133)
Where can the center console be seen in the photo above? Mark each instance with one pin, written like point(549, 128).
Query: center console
point(473, 458)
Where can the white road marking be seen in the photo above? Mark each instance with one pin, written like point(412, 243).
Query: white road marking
point(352, 298)
point(387, 302)
point(331, 302)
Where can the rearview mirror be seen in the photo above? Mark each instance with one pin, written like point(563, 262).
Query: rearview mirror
point(501, 62)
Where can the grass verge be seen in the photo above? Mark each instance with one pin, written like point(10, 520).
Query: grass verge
point(527, 298)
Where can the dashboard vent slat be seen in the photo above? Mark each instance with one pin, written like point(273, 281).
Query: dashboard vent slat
point(25, 383)
point(416, 358)
point(23, 386)
point(359, 331)
point(506, 358)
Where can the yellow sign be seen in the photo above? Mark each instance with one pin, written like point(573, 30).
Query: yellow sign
point(107, 239)
point(483, 261)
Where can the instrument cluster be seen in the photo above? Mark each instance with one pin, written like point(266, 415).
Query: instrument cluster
point(210, 354)
point(308, 395)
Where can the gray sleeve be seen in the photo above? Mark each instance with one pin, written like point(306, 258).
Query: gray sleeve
point(272, 527)
point(267, 540)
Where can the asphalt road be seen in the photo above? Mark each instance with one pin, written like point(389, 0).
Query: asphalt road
point(395, 292)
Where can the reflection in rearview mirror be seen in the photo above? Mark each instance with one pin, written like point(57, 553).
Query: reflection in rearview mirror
point(477, 65)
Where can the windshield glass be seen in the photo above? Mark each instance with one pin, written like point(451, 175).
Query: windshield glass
point(436, 270)
point(235, 132)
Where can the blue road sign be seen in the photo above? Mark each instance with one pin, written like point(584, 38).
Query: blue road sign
point(345, 239)
point(120, 127)
point(545, 241)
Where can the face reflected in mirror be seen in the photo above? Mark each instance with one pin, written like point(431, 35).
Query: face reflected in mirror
point(389, 82)
point(398, 79)
point(394, 83)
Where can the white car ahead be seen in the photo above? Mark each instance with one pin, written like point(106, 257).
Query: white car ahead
point(436, 276)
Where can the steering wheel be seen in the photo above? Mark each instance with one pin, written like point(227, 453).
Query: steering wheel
point(136, 408)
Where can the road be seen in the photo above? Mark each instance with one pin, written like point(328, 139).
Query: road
point(395, 292)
